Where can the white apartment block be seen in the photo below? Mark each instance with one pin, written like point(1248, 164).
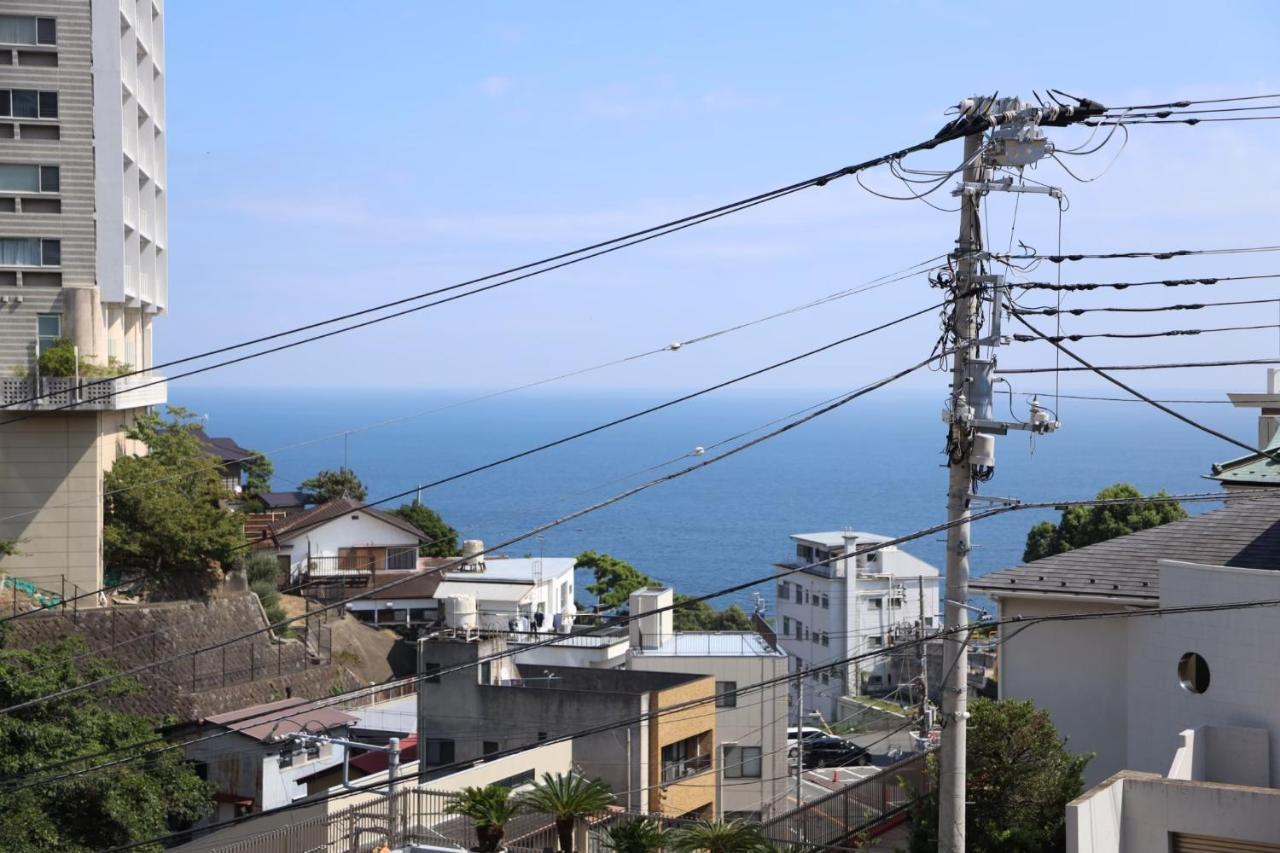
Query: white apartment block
point(83, 240)
point(751, 728)
point(848, 606)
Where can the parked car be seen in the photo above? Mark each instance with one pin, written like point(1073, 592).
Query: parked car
point(833, 752)
point(794, 732)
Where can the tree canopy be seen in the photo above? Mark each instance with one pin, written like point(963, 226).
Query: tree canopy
point(1020, 779)
point(1088, 525)
point(258, 471)
point(616, 579)
point(330, 484)
point(113, 806)
point(442, 540)
point(162, 515)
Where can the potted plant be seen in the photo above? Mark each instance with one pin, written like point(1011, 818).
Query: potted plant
point(566, 797)
point(489, 808)
point(643, 835)
point(713, 836)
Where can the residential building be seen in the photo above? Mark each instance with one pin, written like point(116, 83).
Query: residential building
point(1259, 468)
point(1124, 688)
point(751, 729)
point(1215, 797)
point(526, 596)
point(343, 540)
point(230, 458)
point(849, 605)
point(653, 761)
point(83, 240)
point(256, 767)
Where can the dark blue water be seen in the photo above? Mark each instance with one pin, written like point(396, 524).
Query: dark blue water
point(873, 465)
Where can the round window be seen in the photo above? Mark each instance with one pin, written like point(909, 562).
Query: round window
point(1193, 672)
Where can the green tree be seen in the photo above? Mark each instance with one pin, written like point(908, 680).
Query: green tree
point(330, 485)
point(442, 540)
point(258, 471)
point(1021, 778)
point(567, 797)
point(716, 836)
point(642, 835)
point(262, 570)
point(616, 579)
point(113, 806)
point(162, 514)
point(1087, 525)
point(489, 808)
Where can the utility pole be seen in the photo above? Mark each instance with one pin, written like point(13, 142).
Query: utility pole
point(960, 439)
point(924, 664)
point(800, 740)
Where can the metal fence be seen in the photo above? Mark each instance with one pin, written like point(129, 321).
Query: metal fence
point(855, 809)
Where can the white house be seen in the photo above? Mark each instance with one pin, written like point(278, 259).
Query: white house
point(751, 730)
point(255, 767)
point(1126, 688)
point(342, 538)
point(848, 606)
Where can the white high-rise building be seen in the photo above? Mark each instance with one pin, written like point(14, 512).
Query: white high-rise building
point(83, 258)
point(845, 607)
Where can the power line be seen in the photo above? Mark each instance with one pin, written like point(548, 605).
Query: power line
point(1161, 255)
point(1185, 306)
point(1188, 102)
point(692, 601)
point(1169, 333)
point(527, 270)
point(848, 398)
point(1120, 399)
point(1180, 365)
point(1125, 285)
point(1161, 406)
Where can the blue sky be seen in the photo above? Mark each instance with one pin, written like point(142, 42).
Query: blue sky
point(323, 158)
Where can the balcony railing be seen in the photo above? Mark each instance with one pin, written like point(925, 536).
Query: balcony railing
point(67, 392)
point(674, 771)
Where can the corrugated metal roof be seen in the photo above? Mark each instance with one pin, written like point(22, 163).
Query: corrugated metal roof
point(275, 719)
point(1244, 534)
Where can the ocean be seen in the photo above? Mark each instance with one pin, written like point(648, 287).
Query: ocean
point(875, 465)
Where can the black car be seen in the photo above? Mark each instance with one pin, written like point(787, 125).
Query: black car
point(833, 752)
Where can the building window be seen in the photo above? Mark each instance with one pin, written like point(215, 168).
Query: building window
point(48, 331)
point(30, 252)
point(1193, 673)
point(726, 694)
point(928, 621)
point(683, 758)
point(486, 672)
point(23, 178)
point(784, 590)
point(439, 751)
point(824, 677)
point(876, 641)
point(826, 601)
point(817, 637)
point(27, 29)
point(786, 626)
point(402, 560)
point(28, 103)
point(826, 639)
point(525, 777)
point(490, 747)
point(799, 630)
point(875, 602)
point(742, 762)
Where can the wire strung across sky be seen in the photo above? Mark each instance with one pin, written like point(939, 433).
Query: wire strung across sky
point(1049, 311)
point(1168, 333)
point(690, 602)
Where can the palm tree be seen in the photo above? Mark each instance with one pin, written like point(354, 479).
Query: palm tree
point(711, 836)
point(643, 835)
point(489, 808)
point(566, 797)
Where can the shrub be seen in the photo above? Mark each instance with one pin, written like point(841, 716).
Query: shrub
point(59, 359)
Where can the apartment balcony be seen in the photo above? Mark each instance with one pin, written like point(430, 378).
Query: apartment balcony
point(63, 393)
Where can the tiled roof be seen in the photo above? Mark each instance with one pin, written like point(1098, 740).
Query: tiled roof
point(223, 448)
point(1244, 534)
point(1256, 469)
point(283, 500)
point(296, 524)
point(276, 719)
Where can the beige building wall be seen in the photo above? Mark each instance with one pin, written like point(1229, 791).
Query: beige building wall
point(695, 793)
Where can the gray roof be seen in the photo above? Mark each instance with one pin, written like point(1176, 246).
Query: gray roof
point(1243, 534)
point(712, 644)
point(295, 525)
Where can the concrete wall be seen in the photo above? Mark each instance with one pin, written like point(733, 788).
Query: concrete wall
point(1239, 647)
point(51, 470)
point(759, 719)
point(1136, 813)
point(1078, 672)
